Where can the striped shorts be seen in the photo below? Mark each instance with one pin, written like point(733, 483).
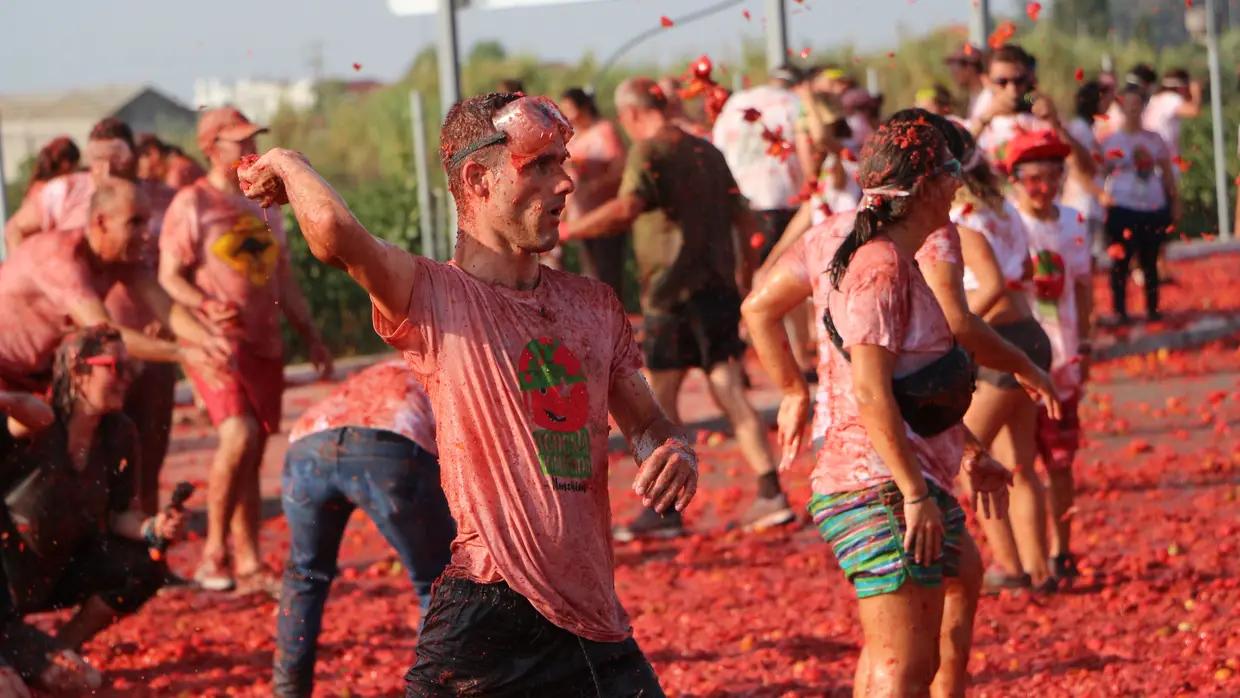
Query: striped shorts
point(866, 530)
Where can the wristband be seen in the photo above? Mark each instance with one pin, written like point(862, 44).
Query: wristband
point(919, 500)
point(148, 533)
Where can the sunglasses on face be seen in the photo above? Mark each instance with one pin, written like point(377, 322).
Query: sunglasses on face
point(1017, 81)
point(120, 369)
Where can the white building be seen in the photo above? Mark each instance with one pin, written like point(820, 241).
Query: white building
point(259, 100)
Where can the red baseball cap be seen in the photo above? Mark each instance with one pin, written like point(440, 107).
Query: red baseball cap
point(1033, 146)
point(225, 123)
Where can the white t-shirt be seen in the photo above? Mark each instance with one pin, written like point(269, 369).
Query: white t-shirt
point(1162, 117)
point(994, 138)
point(1060, 247)
point(767, 181)
point(978, 104)
point(1074, 195)
point(1135, 181)
point(1006, 235)
point(837, 199)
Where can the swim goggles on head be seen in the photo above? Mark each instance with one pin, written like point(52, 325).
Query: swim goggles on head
point(530, 126)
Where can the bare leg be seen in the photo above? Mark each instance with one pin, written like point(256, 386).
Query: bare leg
point(728, 391)
point(91, 618)
point(226, 485)
point(1027, 510)
point(798, 322)
point(990, 411)
point(1061, 494)
point(959, 610)
point(247, 517)
point(666, 388)
point(901, 641)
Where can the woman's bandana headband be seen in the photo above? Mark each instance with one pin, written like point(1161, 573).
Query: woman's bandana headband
point(874, 196)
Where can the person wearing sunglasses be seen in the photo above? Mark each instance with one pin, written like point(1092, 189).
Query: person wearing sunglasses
point(1061, 294)
point(74, 537)
point(522, 364)
point(887, 433)
point(1016, 105)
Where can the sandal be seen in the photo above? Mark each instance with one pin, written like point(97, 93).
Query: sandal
point(260, 581)
point(214, 576)
point(1063, 569)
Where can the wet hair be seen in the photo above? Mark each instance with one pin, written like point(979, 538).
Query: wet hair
point(146, 143)
point(981, 184)
point(581, 99)
point(512, 85)
point(108, 192)
point(640, 93)
point(899, 154)
point(113, 128)
point(1089, 101)
point(70, 361)
point(467, 122)
point(51, 158)
point(1013, 53)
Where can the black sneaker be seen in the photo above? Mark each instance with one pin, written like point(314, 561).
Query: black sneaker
point(651, 525)
point(1063, 568)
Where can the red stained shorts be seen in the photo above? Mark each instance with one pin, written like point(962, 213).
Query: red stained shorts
point(256, 388)
point(1058, 441)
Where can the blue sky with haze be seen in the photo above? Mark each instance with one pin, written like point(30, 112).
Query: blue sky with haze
point(171, 42)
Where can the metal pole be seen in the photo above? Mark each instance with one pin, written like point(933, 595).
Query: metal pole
point(979, 26)
point(421, 173)
point(776, 35)
point(1216, 115)
point(449, 61)
point(4, 201)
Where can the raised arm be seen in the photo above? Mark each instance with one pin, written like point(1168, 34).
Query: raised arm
point(26, 413)
point(178, 319)
point(979, 257)
point(26, 221)
point(334, 235)
point(980, 339)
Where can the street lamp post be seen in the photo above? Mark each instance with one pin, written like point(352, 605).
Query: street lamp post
point(1216, 115)
point(776, 35)
point(449, 59)
point(979, 27)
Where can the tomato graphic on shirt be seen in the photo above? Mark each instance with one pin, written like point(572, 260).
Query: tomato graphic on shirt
point(556, 396)
point(1049, 280)
point(1143, 162)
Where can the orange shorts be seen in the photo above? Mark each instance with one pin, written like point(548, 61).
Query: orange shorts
point(255, 388)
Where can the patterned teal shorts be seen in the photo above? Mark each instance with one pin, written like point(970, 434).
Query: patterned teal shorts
point(866, 529)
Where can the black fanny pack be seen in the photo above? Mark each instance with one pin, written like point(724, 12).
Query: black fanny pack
point(933, 398)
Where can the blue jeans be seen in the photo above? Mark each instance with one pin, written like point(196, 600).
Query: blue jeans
point(326, 476)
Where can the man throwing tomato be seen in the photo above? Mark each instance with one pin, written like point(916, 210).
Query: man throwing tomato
point(522, 363)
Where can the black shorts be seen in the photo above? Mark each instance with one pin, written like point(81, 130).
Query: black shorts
point(772, 225)
point(488, 640)
point(1028, 336)
point(701, 332)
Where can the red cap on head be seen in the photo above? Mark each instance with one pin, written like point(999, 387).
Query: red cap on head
point(1032, 146)
point(225, 123)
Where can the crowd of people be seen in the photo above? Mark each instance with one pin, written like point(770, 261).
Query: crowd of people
point(930, 272)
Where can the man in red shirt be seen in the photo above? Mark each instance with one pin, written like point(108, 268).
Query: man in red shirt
point(229, 260)
point(64, 204)
point(522, 364)
point(58, 280)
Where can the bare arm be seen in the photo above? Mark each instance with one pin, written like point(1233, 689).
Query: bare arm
point(334, 235)
point(979, 338)
point(27, 414)
point(609, 219)
point(667, 473)
point(140, 346)
point(182, 322)
point(174, 278)
point(26, 221)
point(764, 311)
point(979, 257)
point(1191, 108)
point(1169, 187)
point(872, 371)
point(808, 154)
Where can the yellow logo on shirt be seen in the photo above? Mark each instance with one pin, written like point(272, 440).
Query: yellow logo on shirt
point(249, 248)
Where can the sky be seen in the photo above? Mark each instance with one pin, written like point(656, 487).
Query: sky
point(65, 44)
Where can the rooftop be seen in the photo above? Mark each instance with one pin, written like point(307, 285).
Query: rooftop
point(88, 103)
